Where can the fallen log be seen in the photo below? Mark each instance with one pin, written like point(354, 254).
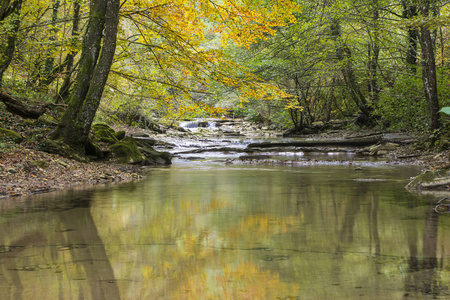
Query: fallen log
point(357, 142)
point(16, 107)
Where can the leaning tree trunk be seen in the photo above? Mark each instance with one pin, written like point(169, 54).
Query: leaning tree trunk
point(92, 74)
point(429, 69)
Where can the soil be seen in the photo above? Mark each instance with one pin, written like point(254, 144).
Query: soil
point(24, 170)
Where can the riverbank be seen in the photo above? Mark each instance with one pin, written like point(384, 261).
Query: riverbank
point(24, 170)
point(27, 171)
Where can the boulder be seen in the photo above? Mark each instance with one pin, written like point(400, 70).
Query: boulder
point(48, 120)
point(9, 135)
point(120, 135)
point(152, 156)
point(127, 151)
point(104, 133)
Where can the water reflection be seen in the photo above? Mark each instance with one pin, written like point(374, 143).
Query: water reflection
point(230, 233)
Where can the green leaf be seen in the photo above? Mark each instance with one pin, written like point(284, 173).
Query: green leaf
point(445, 110)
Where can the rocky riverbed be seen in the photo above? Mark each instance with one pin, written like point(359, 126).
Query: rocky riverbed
point(24, 170)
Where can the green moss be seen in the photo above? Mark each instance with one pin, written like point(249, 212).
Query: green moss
point(152, 156)
point(104, 133)
point(9, 135)
point(48, 120)
point(60, 148)
point(127, 151)
point(93, 149)
point(120, 135)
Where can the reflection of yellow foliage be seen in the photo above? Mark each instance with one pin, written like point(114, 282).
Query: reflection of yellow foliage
point(267, 224)
point(147, 271)
point(246, 281)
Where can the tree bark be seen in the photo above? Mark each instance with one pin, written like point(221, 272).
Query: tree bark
point(63, 93)
point(7, 7)
point(91, 78)
point(410, 11)
point(16, 107)
point(344, 54)
point(8, 45)
point(429, 69)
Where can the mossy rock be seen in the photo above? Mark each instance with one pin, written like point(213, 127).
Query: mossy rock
point(9, 135)
point(48, 120)
point(145, 142)
point(93, 149)
point(120, 135)
point(104, 133)
point(127, 151)
point(60, 148)
point(153, 157)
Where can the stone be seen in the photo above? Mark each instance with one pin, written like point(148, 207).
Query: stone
point(127, 151)
point(9, 135)
point(104, 133)
point(120, 135)
point(11, 170)
point(48, 120)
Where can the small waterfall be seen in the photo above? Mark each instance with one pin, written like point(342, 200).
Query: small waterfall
point(198, 124)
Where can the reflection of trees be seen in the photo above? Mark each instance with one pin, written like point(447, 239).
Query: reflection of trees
point(36, 263)
point(422, 275)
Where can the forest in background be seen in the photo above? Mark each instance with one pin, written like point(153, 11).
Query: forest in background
point(289, 64)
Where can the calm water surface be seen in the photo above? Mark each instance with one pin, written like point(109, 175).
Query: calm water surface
point(231, 232)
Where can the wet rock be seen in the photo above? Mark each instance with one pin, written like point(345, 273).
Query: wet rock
point(378, 150)
point(437, 180)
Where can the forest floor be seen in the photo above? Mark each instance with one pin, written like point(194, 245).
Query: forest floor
point(24, 170)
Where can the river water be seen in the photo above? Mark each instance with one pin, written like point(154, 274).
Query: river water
point(205, 230)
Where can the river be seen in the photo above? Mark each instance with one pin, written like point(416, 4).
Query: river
point(212, 230)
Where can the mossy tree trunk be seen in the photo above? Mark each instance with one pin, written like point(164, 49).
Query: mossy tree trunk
point(96, 59)
point(8, 9)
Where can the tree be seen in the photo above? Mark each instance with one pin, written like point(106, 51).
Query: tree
point(429, 76)
point(95, 63)
point(8, 9)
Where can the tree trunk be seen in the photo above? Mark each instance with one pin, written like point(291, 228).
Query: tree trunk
point(7, 7)
point(410, 11)
point(8, 45)
point(344, 54)
point(63, 93)
point(429, 69)
point(91, 78)
point(16, 107)
point(374, 53)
